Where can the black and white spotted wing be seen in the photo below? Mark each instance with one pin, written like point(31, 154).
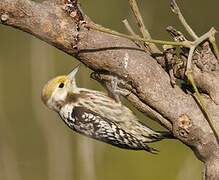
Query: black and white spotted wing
point(95, 126)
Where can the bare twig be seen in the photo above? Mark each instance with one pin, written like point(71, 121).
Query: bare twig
point(139, 19)
point(112, 32)
point(211, 38)
point(214, 45)
point(129, 28)
point(203, 106)
point(196, 43)
point(189, 60)
point(145, 33)
point(177, 11)
point(131, 32)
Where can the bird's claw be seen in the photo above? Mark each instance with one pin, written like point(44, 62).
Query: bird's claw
point(110, 82)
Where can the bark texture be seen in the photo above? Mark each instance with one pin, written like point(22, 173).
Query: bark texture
point(146, 81)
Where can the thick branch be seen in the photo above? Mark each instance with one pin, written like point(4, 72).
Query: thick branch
point(149, 83)
point(212, 168)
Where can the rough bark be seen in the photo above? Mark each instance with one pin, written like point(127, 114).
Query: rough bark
point(148, 83)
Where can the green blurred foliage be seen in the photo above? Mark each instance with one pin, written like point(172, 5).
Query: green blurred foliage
point(35, 144)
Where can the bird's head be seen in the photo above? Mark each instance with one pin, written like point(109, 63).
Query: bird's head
point(55, 91)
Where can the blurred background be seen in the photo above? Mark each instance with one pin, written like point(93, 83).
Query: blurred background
point(35, 144)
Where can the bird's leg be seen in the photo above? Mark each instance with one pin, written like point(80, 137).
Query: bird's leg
point(115, 91)
point(111, 84)
point(112, 88)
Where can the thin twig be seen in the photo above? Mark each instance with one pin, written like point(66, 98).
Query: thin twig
point(203, 106)
point(131, 32)
point(129, 28)
point(177, 11)
point(145, 33)
point(175, 8)
point(139, 19)
point(205, 36)
point(189, 60)
point(196, 43)
point(215, 47)
point(112, 32)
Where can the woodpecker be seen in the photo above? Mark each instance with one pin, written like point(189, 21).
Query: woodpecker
point(98, 116)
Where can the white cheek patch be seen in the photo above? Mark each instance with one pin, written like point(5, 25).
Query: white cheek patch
point(59, 95)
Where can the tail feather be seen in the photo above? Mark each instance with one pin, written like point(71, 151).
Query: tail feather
point(165, 135)
point(158, 136)
point(150, 149)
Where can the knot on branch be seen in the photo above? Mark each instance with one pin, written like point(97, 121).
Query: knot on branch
point(4, 17)
point(184, 124)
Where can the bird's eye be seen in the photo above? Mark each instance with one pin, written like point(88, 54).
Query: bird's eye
point(61, 85)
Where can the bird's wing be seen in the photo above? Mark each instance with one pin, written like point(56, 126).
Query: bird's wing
point(93, 125)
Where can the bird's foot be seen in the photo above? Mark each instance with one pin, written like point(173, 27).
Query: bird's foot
point(111, 83)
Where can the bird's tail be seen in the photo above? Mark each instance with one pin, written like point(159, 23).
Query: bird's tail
point(165, 135)
point(157, 137)
point(150, 149)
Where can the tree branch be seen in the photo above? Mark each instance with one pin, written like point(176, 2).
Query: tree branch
point(149, 84)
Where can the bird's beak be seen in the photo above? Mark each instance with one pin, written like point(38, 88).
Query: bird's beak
point(71, 75)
